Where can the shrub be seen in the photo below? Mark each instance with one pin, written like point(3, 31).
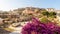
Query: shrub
point(44, 19)
point(37, 27)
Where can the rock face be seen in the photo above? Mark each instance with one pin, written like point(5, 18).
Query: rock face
point(1, 21)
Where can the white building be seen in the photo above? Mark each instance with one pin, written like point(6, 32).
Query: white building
point(58, 14)
point(50, 9)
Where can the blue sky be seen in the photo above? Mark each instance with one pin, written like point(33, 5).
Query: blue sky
point(13, 4)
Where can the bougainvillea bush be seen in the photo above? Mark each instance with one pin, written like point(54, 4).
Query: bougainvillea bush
point(37, 27)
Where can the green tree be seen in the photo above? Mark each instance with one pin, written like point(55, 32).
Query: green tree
point(46, 13)
point(52, 14)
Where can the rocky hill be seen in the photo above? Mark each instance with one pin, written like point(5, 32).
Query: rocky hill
point(23, 14)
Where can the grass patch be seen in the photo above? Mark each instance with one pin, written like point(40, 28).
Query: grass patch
point(9, 29)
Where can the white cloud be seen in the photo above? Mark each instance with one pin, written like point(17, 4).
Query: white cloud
point(5, 4)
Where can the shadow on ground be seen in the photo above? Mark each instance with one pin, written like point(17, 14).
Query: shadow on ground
point(2, 31)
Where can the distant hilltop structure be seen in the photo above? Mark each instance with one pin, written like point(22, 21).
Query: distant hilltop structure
point(50, 9)
point(57, 11)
